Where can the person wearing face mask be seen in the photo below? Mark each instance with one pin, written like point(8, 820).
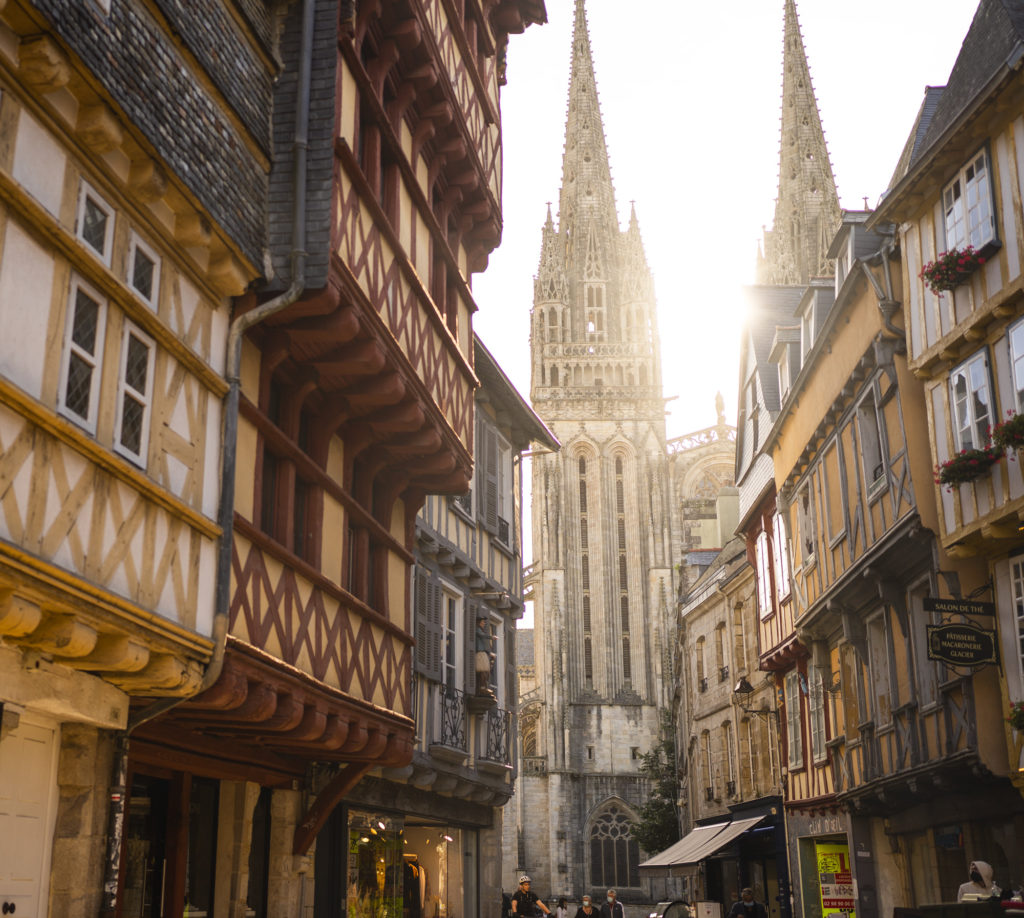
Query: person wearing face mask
point(612, 908)
point(586, 910)
point(748, 907)
point(980, 885)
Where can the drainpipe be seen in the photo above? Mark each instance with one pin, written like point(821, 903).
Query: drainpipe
point(229, 447)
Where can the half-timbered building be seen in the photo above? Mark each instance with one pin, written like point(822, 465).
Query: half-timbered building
point(444, 809)
point(124, 231)
point(355, 402)
point(958, 185)
point(873, 730)
point(337, 169)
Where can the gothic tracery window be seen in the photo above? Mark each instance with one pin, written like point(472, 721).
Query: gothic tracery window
point(614, 853)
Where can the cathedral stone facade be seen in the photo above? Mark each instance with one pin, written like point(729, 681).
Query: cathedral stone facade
point(603, 582)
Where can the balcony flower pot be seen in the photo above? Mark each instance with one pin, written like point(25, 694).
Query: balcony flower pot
point(967, 465)
point(951, 269)
point(1008, 435)
point(1016, 718)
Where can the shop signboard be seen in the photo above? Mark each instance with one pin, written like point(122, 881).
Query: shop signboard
point(958, 606)
point(962, 645)
point(835, 876)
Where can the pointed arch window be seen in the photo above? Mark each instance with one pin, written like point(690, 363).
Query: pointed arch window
point(614, 853)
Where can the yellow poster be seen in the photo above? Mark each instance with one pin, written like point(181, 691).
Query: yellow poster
point(835, 876)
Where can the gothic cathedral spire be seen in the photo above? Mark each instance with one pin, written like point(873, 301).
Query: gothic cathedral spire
point(587, 194)
point(594, 328)
point(807, 211)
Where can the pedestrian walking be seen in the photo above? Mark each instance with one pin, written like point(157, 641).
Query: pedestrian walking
point(612, 908)
point(586, 910)
point(562, 909)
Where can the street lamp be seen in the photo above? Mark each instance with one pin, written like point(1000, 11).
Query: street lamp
point(741, 695)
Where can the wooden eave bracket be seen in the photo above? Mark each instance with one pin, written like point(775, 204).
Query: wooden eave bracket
point(325, 803)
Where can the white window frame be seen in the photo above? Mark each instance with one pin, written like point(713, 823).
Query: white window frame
point(124, 390)
point(94, 360)
point(794, 734)
point(869, 431)
point(805, 520)
point(780, 554)
point(784, 372)
point(807, 328)
point(137, 245)
point(975, 370)
point(86, 192)
point(1016, 571)
point(452, 634)
point(1015, 338)
point(764, 590)
point(976, 224)
point(816, 710)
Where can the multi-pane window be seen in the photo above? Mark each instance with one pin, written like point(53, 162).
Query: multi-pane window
point(730, 758)
point(1017, 586)
point(882, 701)
point(134, 394)
point(805, 518)
point(95, 222)
point(83, 354)
point(794, 738)
point(780, 555)
point(970, 392)
point(614, 853)
point(620, 530)
point(1016, 337)
point(871, 443)
point(816, 707)
point(967, 206)
point(451, 631)
point(144, 272)
point(289, 501)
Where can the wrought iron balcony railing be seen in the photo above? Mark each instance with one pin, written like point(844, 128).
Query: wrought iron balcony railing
point(498, 735)
point(450, 727)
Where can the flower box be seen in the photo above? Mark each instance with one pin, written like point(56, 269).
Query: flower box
point(1016, 718)
point(951, 269)
point(967, 465)
point(1009, 434)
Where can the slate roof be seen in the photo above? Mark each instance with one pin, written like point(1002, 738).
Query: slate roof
point(732, 557)
point(527, 425)
point(912, 148)
point(994, 45)
point(770, 307)
point(997, 29)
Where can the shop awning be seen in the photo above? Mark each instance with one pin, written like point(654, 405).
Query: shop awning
point(690, 850)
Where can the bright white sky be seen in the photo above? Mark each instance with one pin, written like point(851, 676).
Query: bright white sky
point(690, 95)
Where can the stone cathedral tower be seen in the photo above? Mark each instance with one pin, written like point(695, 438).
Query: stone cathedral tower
point(807, 213)
point(602, 581)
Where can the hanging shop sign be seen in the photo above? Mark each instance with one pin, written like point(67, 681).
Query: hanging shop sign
point(958, 606)
point(962, 645)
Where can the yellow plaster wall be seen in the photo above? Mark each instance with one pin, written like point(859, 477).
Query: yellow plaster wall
point(848, 340)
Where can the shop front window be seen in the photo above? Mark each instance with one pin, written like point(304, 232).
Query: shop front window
point(405, 867)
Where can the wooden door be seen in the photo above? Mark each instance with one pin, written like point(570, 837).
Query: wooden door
point(28, 762)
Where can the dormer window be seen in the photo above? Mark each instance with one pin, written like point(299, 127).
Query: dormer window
point(967, 205)
point(807, 325)
point(784, 372)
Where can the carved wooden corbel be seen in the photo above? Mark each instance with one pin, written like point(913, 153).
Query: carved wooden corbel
point(854, 631)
